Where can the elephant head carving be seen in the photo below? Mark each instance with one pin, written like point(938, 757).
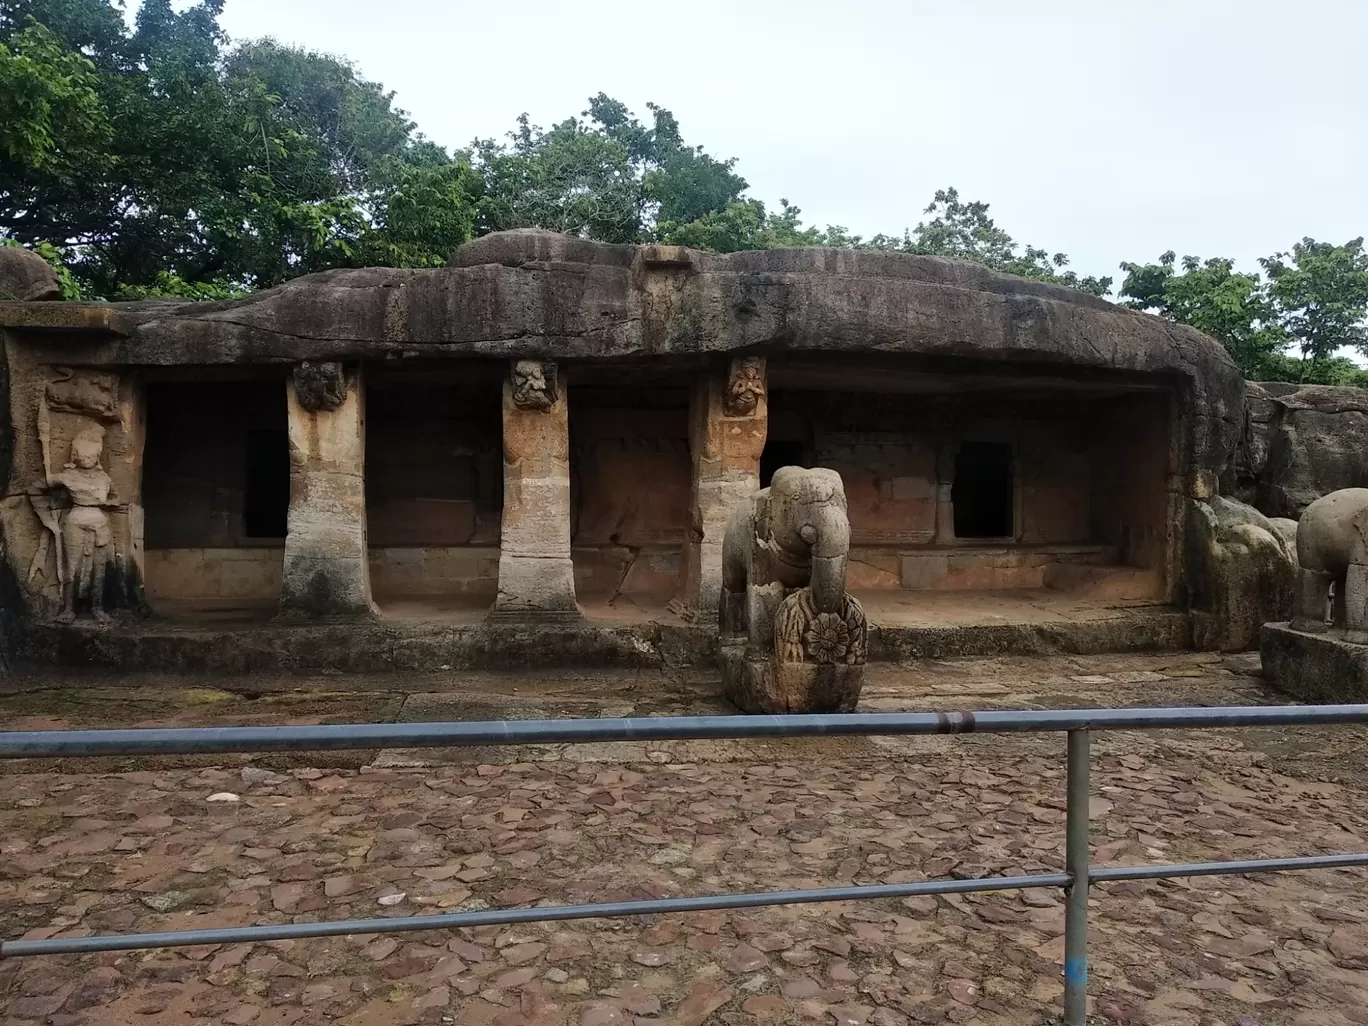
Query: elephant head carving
point(809, 533)
point(784, 563)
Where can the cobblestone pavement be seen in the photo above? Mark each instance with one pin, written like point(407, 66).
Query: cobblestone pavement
point(164, 847)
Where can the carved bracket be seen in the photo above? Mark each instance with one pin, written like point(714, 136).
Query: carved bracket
point(534, 384)
point(745, 386)
point(320, 386)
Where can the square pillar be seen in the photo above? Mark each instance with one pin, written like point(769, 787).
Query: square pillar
point(327, 572)
point(945, 491)
point(728, 423)
point(536, 577)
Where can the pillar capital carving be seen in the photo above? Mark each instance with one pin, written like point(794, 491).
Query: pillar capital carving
point(320, 386)
point(534, 384)
point(745, 386)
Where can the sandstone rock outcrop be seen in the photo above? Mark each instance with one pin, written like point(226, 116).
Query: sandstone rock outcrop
point(1242, 567)
point(1300, 442)
point(26, 277)
point(543, 295)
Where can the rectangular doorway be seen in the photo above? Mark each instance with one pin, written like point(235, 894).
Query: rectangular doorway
point(216, 496)
point(983, 493)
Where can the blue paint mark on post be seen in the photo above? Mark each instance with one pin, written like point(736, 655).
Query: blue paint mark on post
point(1076, 972)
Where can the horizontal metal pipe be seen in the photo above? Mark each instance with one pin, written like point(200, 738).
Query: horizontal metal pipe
point(557, 913)
point(499, 917)
point(219, 740)
point(1112, 874)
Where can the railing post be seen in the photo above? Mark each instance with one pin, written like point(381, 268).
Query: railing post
point(1076, 865)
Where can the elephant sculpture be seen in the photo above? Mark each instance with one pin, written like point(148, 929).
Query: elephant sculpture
point(792, 639)
point(1332, 549)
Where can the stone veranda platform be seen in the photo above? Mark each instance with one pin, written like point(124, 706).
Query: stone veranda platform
point(140, 848)
point(1314, 667)
point(431, 636)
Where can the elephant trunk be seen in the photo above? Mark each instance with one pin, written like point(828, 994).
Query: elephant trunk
point(830, 553)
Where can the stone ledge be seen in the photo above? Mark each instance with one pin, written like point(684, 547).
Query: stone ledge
point(380, 646)
point(1144, 630)
point(87, 318)
point(1320, 668)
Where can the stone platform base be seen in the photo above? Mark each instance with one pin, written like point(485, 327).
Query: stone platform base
point(762, 686)
point(1314, 667)
point(377, 646)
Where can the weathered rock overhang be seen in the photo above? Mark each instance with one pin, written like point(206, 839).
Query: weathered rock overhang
point(539, 294)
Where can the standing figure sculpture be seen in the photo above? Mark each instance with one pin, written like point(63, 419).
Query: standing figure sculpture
point(1332, 550)
point(86, 541)
point(792, 639)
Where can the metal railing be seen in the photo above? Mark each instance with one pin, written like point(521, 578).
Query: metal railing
point(1075, 880)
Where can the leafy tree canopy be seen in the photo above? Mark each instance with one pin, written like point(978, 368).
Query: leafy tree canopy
point(1314, 300)
point(157, 153)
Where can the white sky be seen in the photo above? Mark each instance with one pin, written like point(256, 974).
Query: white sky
point(1110, 130)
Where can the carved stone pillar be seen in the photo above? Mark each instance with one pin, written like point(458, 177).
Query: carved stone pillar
point(728, 421)
point(536, 577)
point(326, 570)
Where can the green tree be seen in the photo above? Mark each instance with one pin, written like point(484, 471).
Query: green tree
point(417, 211)
point(50, 111)
point(964, 231)
point(746, 224)
point(604, 175)
point(1232, 307)
point(1314, 299)
point(570, 178)
point(1321, 292)
point(231, 168)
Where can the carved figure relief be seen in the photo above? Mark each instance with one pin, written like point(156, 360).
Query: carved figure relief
point(74, 500)
point(745, 386)
point(320, 386)
point(89, 392)
point(793, 640)
point(72, 506)
point(534, 384)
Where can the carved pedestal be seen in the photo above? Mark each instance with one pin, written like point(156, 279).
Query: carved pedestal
point(536, 576)
point(727, 427)
point(326, 571)
point(1328, 666)
point(762, 686)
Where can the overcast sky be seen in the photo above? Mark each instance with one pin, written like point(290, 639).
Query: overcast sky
point(1112, 131)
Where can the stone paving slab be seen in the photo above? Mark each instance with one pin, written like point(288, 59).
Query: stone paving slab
point(147, 849)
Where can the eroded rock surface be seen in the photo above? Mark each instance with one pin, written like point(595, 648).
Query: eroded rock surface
point(532, 293)
point(1243, 569)
point(1300, 442)
point(26, 277)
